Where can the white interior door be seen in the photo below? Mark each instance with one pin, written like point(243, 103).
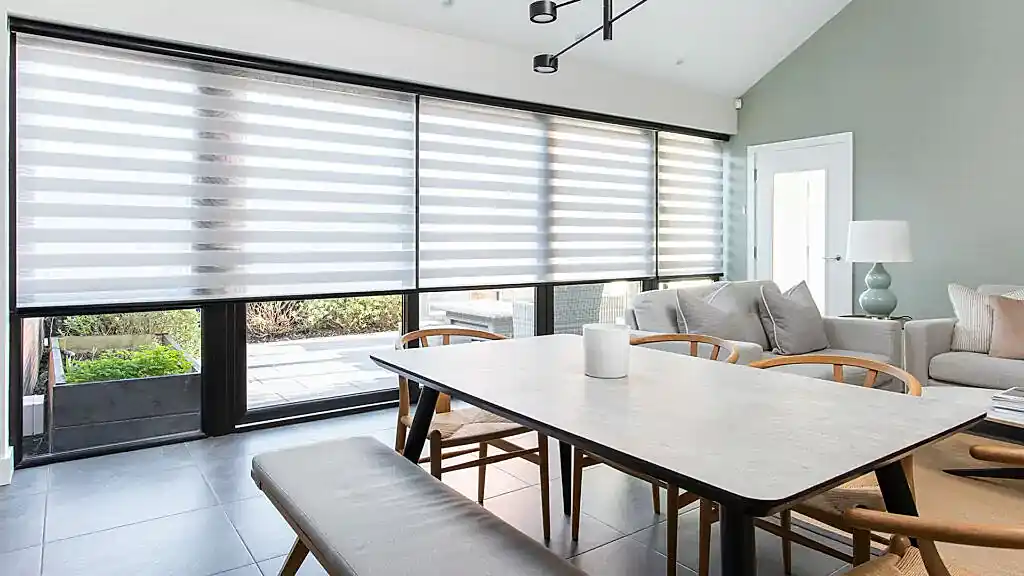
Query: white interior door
point(803, 204)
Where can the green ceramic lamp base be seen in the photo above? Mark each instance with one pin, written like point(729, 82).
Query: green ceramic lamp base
point(877, 300)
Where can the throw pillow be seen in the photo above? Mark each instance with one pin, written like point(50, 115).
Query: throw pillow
point(792, 320)
point(973, 329)
point(697, 315)
point(1007, 328)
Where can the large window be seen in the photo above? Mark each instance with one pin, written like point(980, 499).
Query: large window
point(310, 216)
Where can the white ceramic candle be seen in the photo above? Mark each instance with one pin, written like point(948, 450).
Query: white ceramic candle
point(605, 350)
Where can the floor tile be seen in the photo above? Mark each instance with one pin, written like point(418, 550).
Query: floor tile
point(93, 473)
point(250, 570)
point(24, 562)
point(230, 479)
point(528, 471)
point(310, 567)
point(198, 543)
point(522, 510)
point(497, 482)
point(626, 556)
point(21, 521)
point(262, 528)
point(26, 482)
point(142, 495)
point(806, 562)
point(619, 500)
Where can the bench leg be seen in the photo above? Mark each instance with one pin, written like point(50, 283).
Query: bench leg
point(294, 559)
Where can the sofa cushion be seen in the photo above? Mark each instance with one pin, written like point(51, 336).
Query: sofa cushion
point(973, 329)
point(712, 315)
point(1007, 328)
point(973, 369)
point(791, 320)
point(655, 311)
point(740, 298)
point(851, 374)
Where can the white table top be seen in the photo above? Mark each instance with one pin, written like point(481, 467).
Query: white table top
point(760, 438)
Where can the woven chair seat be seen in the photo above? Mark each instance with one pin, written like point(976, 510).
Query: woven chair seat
point(860, 492)
point(911, 564)
point(469, 423)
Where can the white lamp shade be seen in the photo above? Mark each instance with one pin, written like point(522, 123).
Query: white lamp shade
point(879, 241)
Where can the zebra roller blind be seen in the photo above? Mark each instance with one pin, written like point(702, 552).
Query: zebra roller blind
point(690, 205)
point(513, 197)
point(143, 178)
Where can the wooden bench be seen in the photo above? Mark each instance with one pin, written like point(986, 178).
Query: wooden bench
point(362, 509)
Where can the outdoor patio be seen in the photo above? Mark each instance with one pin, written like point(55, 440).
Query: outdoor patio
point(298, 370)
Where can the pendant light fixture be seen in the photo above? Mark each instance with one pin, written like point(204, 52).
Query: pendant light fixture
point(546, 11)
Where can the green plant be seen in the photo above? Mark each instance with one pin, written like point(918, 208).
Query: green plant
point(272, 319)
point(356, 315)
point(182, 325)
point(155, 360)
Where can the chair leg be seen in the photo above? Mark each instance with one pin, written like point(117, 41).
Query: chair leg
point(861, 547)
point(294, 559)
point(656, 498)
point(786, 518)
point(672, 542)
point(400, 433)
point(577, 492)
point(545, 485)
point(481, 482)
point(435, 454)
point(707, 519)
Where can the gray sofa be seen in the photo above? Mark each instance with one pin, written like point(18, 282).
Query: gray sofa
point(931, 361)
point(655, 313)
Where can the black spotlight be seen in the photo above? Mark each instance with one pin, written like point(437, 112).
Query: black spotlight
point(545, 63)
point(543, 11)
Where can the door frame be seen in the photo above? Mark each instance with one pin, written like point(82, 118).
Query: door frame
point(844, 138)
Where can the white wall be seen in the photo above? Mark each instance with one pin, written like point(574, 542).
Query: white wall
point(299, 32)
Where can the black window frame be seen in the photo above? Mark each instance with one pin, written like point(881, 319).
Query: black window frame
point(223, 320)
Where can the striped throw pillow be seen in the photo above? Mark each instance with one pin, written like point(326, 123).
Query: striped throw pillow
point(973, 329)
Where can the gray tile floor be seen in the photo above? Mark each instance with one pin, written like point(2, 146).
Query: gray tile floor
point(192, 510)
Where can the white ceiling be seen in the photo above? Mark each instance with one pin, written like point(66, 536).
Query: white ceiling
point(726, 46)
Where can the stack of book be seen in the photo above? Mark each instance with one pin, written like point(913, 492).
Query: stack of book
point(1009, 405)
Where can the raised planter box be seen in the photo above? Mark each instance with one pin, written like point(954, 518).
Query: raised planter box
point(100, 413)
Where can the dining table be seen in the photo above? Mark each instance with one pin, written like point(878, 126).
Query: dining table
point(754, 441)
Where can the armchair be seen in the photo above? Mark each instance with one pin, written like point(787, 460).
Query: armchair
point(574, 306)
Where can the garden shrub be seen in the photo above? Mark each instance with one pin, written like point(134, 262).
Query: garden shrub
point(181, 325)
point(155, 360)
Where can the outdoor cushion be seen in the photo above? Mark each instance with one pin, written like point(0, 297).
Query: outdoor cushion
point(364, 509)
point(973, 369)
point(467, 422)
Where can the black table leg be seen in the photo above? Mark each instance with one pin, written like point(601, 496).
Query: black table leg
point(739, 557)
point(1010, 473)
point(420, 423)
point(896, 492)
point(565, 455)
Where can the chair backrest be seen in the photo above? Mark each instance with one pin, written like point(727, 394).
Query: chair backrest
point(577, 305)
point(873, 367)
point(422, 339)
point(695, 341)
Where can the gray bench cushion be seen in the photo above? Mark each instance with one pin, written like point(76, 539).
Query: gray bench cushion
point(366, 510)
point(973, 369)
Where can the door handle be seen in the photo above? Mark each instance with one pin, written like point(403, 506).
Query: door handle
point(837, 258)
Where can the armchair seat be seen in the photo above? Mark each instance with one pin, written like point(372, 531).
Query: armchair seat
point(910, 564)
point(829, 507)
point(469, 423)
point(979, 370)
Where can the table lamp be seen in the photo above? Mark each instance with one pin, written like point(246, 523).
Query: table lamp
point(878, 241)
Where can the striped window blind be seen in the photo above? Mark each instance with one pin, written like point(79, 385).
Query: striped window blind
point(143, 178)
point(483, 206)
point(690, 205)
point(602, 203)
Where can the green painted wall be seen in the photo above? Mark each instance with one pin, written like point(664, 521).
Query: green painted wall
point(933, 91)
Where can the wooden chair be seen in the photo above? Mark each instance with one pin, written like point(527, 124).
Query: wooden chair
point(902, 559)
point(676, 499)
point(469, 426)
point(827, 508)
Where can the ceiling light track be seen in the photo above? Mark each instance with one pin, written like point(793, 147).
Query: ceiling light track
point(546, 11)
